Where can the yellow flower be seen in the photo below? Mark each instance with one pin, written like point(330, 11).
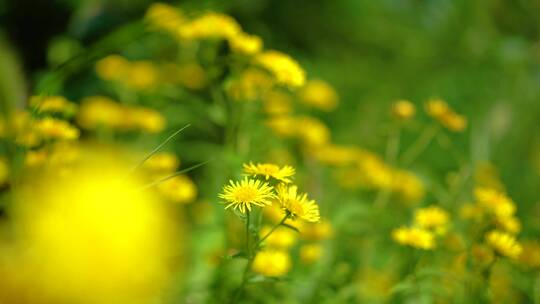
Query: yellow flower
point(100, 111)
point(270, 170)
point(436, 108)
point(504, 244)
point(431, 217)
point(281, 238)
point(164, 16)
point(192, 76)
point(179, 189)
point(112, 68)
point(319, 94)
point(162, 163)
point(147, 120)
point(310, 253)
point(242, 194)
point(297, 205)
point(282, 125)
point(246, 44)
point(250, 85)
point(4, 172)
point(312, 131)
point(51, 128)
point(336, 155)
point(407, 186)
point(277, 103)
point(285, 69)
point(210, 26)
point(141, 75)
point(271, 263)
point(510, 224)
point(439, 110)
point(316, 231)
point(414, 237)
point(403, 109)
point(53, 104)
point(495, 201)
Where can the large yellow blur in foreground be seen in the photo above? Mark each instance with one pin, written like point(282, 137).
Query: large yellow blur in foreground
point(86, 234)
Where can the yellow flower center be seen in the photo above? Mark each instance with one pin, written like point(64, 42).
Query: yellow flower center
point(246, 194)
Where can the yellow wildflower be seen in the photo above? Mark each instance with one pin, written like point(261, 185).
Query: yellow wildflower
point(271, 263)
point(164, 16)
point(312, 131)
point(147, 120)
point(179, 189)
point(310, 253)
point(510, 224)
point(270, 170)
point(414, 237)
point(162, 163)
point(53, 104)
point(403, 109)
point(245, 44)
point(504, 244)
point(277, 103)
point(297, 205)
point(495, 201)
point(112, 68)
point(242, 194)
point(281, 238)
point(432, 217)
point(210, 26)
point(316, 231)
point(282, 125)
point(250, 85)
point(285, 69)
point(439, 110)
point(319, 94)
point(141, 75)
point(100, 111)
point(51, 128)
point(336, 155)
point(407, 186)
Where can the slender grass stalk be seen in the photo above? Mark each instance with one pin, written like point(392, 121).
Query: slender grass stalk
point(419, 145)
point(163, 179)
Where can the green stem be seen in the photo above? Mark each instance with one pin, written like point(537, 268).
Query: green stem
point(272, 230)
point(248, 250)
point(392, 150)
point(419, 145)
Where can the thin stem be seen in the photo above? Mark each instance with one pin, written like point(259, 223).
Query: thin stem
point(272, 230)
point(248, 250)
point(392, 150)
point(419, 145)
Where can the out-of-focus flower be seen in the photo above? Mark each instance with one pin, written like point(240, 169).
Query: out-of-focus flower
point(310, 253)
point(403, 109)
point(432, 217)
point(282, 125)
point(112, 67)
point(282, 174)
point(297, 205)
point(281, 238)
point(312, 131)
point(471, 211)
point(495, 202)
point(99, 220)
point(192, 76)
point(147, 120)
point(285, 69)
point(141, 75)
point(164, 16)
point(179, 189)
point(439, 110)
point(241, 195)
point(53, 104)
point(246, 44)
point(407, 186)
point(332, 154)
point(510, 224)
point(99, 111)
point(252, 84)
point(316, 231)
point(210, 26)
point(504, 244)
point(277, 103)
point(530, 256)
point(162, 163)
point(272, 263)
point(51, 128)
point(4, 172)
point(319, 94)
point(414, 237)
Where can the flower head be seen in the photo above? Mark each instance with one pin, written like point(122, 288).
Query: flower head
point(297, 205)
point(431, 217)
point(504, 244)
point(414, 237)
point(285, 69)
point(272, 263)
point(403, 109)
point(270, 170)
point(242, 194)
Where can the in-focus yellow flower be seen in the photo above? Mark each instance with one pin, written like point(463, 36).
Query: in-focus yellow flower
point(414, 237)
point(241, 195)
point(297, 205)
point(495, 202)
point(282, 174)
point(164, 16)
point(504, 244)
point(273, 263)
point(210, 26)
point(285, 69)
point(53, 104)
point(112, 67)
point(281, 238)
point(246, 44)
point(179, 189)
point(403, 109)
point(319, 94)
point(432, 217)
point(51, 128)
point(310, 253)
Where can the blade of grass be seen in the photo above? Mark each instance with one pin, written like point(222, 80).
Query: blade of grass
point(163, 179)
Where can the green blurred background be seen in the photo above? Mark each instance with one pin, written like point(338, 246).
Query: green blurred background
point(482, 56)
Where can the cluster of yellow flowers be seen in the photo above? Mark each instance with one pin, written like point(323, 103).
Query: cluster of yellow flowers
point(439, 110)
point(429, 223)
point(103, 112)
